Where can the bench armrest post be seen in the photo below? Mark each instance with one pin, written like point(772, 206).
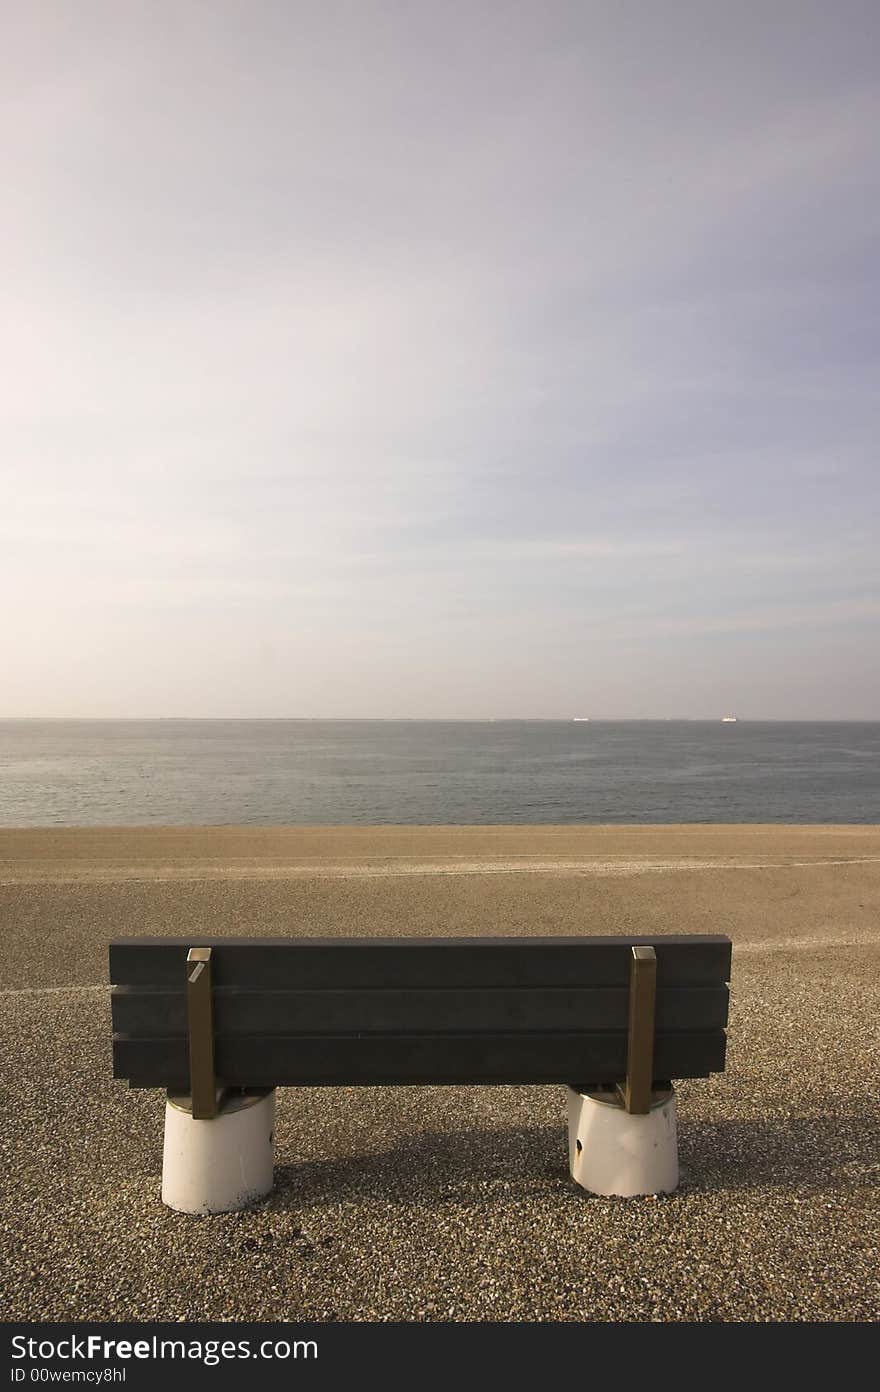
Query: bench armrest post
point(640, 1051)
point(202, 1081)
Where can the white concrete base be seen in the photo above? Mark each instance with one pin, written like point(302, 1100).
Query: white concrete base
point(223, 1164)
point(612, 1152)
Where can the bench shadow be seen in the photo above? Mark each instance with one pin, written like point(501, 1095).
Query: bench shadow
point(809, 1153)
point(475, 1167)
point(483, 1167)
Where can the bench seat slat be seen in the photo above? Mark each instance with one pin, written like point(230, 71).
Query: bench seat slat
point(552, 1009)
point(368, 1060)
point(324, 963)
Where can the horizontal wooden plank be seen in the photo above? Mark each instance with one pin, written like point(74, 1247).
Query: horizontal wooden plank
point(324, 963)
point(510, 1009)
point(349, 1061)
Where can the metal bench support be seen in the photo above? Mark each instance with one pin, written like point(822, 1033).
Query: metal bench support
point(640, 1052)
point(202, 1080)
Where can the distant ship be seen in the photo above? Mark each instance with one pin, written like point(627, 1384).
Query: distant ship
point(580, 717)
point(728, 720)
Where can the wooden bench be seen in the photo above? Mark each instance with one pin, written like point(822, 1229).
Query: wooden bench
point(203, 1015)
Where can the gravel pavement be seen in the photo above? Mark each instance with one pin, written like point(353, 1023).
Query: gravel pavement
point(450, 1203)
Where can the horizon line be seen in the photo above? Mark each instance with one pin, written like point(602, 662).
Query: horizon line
point(469, 719)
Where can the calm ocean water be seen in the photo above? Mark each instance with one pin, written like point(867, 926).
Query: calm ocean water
point(273, 772)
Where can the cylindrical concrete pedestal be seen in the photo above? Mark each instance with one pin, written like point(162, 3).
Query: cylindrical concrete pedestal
point(613, 1152)
point(222, 1164)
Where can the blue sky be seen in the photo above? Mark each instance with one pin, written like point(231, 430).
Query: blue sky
point(516, 359)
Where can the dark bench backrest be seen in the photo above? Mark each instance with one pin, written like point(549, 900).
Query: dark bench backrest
point(349, 1011)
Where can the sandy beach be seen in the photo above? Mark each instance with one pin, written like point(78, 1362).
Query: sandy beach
point(451, 1203)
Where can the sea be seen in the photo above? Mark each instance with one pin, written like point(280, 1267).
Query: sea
point(425, 772)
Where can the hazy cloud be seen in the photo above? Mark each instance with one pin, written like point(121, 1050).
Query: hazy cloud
point(381, 359)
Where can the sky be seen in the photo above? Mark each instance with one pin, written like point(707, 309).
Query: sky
point(510, 359)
